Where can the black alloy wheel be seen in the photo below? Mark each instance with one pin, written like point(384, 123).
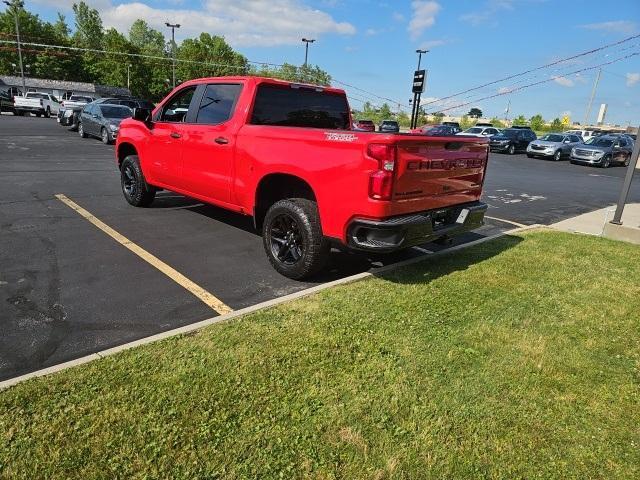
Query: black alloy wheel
point(286, 241)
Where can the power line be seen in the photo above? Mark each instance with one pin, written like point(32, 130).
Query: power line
point(562, 60)
point(139, 55)
point(539, 82)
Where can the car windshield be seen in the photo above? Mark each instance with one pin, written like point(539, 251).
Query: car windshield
point(508, 133)
point(115, 111)
point(474, 130)
point(552, 138)
point(599, 142)
point(436, 130)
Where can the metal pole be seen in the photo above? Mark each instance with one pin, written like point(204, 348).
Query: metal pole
point(624, 194)
point(128, 77)
point(173, 50)
point(15, 4)
point(306, 53)
point(593, 94)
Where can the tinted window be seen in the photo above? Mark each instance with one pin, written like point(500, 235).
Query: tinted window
point(300, 107)
point(127, 103)
point(599, 142)
point(37, 95)
point(112, 111)
point(492, 131)
point(574, 138)
point(218, 103)
point(75, 98)
point(175, 110)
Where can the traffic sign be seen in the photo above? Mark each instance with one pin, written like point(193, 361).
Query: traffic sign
point(419, 81)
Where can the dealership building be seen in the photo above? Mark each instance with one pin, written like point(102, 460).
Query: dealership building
point(62, 88)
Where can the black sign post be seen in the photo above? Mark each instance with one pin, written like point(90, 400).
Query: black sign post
point(419, 80)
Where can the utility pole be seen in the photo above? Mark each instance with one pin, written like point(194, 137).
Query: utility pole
point(416, 95)
point(506, 111)
point(173, 27)
point(129, 77)
point(15, 4)
point(593, 94)
point(307, 41)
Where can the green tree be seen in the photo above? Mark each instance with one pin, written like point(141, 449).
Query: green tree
point(556, 125)
point(88, 34)
point(475, 112)
point(496, 122)
point(537, 122)
point(520, 120)
point(208, 56)
point(148, 75)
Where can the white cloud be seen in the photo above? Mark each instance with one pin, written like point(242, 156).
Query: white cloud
point(369, 32)
point(424, 16)
point(398, 17)
point(564, 81)
point(504, 90)
point(488, 14)
point(632, 79)
point(619, 26)
point(432, 43)
point(241, 22)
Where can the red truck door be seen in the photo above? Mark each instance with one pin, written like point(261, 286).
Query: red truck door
point(164, 151)
point(209, 143)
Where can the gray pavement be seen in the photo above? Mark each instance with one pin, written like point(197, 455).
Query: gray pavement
point(68, 290)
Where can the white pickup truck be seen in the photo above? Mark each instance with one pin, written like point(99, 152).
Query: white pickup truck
point(38, 103)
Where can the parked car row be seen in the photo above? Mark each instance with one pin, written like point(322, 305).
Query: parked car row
point(99, 118)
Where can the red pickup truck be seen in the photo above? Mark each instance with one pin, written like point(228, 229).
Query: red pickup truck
point(286, 154)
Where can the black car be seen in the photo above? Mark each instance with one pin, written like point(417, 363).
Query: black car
point(102, 120)
point(453, 124)
point(440, 131)
point(6, 99)
point(389, 126)
point(512, 140)
point(127, 102)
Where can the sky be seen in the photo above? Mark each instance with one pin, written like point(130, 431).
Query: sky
point(370, 44)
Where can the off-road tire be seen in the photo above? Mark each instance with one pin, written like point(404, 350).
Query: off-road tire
point(135, 189)
point(309, 243)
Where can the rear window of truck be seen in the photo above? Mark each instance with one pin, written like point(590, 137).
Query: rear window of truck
point(288, 106)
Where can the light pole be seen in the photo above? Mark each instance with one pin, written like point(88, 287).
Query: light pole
point(307, 41)
point(416, 96)
point(173, 27)
point(129, 77)
point(18, 4)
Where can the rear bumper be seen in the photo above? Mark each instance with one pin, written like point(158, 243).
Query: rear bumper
point(30, 109)
point(405, 231)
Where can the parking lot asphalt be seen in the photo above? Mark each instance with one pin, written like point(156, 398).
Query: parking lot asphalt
point(67, 289)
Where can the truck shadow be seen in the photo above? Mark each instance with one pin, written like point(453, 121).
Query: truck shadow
point(343, 262)
point(433, 267)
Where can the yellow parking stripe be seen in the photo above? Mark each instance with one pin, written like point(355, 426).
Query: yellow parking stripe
point(519, 225)
point(213, 302)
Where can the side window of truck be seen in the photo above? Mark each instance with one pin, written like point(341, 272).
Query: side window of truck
point(218, 103)
point(175, 110)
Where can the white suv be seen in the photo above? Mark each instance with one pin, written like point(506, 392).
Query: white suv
point(479, 132)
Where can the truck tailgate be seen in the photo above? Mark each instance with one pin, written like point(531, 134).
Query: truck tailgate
point(431, 167)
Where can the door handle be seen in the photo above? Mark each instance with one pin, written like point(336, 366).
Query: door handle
point(175, 135)
point(221, 141)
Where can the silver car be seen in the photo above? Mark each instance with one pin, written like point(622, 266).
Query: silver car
point(553, 145)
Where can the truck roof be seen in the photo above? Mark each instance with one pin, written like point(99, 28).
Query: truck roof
point(257, 81)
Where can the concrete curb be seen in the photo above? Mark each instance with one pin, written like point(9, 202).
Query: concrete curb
point(253, 308)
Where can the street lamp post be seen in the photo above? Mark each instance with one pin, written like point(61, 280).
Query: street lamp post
point(416, 96)
point(129, 77)
point(18, 4)
point(173, 27)
point(307, 41)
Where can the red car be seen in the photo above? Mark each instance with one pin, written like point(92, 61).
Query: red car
point(365, 125)
point(285, 154)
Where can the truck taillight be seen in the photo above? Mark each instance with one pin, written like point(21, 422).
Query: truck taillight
point(381, 181)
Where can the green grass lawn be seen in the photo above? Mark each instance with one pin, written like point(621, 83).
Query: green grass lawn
point(517, 358)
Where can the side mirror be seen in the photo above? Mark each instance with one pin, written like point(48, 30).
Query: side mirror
point(142, 114)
